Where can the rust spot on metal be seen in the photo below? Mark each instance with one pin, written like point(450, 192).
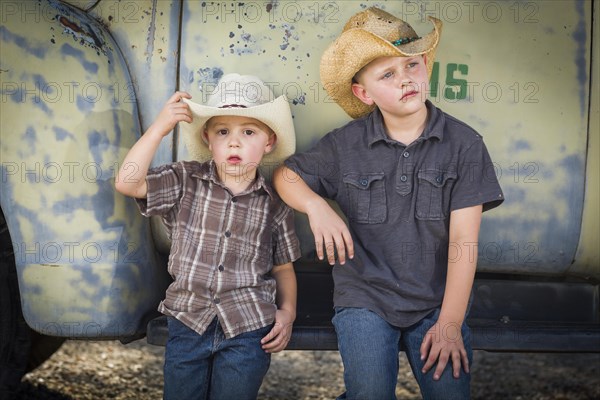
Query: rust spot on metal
point(79, 30)
point(69, 24)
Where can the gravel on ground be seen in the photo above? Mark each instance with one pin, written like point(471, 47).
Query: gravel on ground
point(83, 370)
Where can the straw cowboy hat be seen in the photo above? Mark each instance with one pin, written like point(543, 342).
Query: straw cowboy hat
point(243, 96)
point(368, 35)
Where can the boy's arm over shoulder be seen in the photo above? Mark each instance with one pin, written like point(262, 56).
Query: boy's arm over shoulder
point(329, 230)
point(319, 166)
point(294, 190)
point(303, 182)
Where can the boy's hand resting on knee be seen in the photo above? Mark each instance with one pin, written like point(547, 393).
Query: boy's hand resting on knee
point(443, 343)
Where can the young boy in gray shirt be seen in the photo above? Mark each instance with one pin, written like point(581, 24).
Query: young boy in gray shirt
point(413, 182)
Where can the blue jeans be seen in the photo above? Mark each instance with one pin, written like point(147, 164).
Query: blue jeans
point(369, 347)
point(209, 366)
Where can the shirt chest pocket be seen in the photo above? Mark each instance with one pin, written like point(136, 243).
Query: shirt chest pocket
point(366, 197)
point(433, 194)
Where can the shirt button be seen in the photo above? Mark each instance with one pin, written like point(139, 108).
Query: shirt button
point(364, 182)
point(227, 234)
point(216, 300)
point(405, 154)
point(403, 178)
point(234, 199)
point(221, 268)
point(438, 179)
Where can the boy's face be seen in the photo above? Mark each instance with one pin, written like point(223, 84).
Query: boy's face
point(397, 85)
point(237, 145)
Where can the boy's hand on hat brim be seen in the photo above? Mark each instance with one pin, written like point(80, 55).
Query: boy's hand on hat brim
point(174, 111)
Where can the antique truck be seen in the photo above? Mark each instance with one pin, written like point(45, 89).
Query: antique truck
point(81, 80)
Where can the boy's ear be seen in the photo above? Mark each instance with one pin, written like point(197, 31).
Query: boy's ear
point(271, 143)
point(205, 138)
point(361, 93)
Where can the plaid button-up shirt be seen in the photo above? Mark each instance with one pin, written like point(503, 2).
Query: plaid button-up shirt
point(223, 246)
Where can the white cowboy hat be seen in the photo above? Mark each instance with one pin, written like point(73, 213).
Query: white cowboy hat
point(244, 96)
point(368, 35)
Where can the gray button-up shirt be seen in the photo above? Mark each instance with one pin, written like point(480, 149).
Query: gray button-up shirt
point(398, 201)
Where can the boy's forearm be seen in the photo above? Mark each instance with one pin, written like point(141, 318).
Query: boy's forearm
point(459, 282)
point(331, 234)
point(462, 263)
point(131, 178)
point(286, 296)
point(294, 191)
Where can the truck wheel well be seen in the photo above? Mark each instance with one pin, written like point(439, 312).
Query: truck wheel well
point(21, 349)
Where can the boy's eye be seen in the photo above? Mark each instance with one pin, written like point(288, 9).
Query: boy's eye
point(413, 64)
point(222, 132)
point(248, 132)
point(388, 75)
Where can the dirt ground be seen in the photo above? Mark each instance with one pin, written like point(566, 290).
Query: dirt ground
point(110, 370)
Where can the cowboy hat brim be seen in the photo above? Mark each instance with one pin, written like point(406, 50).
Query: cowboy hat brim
point(275, 114)
point(356, 48)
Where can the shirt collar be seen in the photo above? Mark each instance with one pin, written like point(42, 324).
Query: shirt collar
point(208, 172)
point(433, 129)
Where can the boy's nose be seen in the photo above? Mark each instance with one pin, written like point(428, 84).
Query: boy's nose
point(408, 84)
point(234, 141)
point(405, 81)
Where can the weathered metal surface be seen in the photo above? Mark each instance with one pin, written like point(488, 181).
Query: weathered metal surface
point(587, 258)
point(515, 71)
point(528, 72)
point(86, 261)
point(78, 88)
point(147, 32)
point(84, 5)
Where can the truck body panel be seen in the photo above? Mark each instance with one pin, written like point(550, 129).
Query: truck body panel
point(79, 86)
point(588, 252)
point(86, 262)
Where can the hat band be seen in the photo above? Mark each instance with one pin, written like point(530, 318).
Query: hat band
point(405, 40)
point(233, 106)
